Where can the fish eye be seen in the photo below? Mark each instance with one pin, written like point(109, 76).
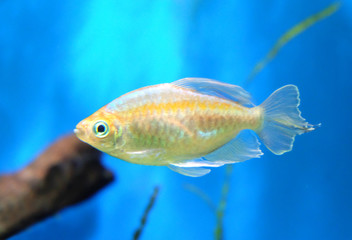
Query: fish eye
point(101, 129)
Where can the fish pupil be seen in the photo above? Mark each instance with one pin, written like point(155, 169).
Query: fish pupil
point(101, 128)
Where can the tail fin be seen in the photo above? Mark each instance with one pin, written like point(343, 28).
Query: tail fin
point(282, 120)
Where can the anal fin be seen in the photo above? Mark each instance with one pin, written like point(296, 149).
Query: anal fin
point(189, 171)
point(244, 147)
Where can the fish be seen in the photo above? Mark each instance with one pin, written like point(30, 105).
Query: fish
point(194, 124)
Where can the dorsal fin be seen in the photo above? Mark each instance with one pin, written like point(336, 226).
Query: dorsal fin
point(216, 88)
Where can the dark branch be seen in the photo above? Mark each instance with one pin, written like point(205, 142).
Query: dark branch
point(68, 172)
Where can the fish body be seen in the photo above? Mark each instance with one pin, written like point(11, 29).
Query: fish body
point(187, 125)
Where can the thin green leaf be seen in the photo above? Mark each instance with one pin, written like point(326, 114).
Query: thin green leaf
point(197, 191)
point(289, 35)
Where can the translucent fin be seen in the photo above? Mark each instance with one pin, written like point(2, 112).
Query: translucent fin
point(216, 88)
point(282, 120)
point(190, 171)
point(201, 162)
point(245, 146)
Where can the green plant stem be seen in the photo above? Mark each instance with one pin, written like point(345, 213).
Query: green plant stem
point(219, 228)
point(144, 218)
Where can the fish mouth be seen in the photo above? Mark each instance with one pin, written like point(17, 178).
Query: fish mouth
point(79, 132)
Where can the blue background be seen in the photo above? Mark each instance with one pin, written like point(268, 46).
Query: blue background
point(62, 60)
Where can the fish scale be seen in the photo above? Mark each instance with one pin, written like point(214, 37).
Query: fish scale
point(198, 117)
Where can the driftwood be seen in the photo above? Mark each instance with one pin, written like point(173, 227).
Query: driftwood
point(68, 172)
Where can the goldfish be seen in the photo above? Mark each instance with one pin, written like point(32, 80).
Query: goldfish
point(194, 123)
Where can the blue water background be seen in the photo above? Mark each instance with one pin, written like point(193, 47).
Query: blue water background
point(62, 60)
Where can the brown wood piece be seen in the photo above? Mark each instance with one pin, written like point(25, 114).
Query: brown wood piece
point(66, 173)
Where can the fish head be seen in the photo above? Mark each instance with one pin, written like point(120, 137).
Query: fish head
point(101, 130)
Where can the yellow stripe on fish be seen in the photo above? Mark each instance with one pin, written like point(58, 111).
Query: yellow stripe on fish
point(193, 123)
